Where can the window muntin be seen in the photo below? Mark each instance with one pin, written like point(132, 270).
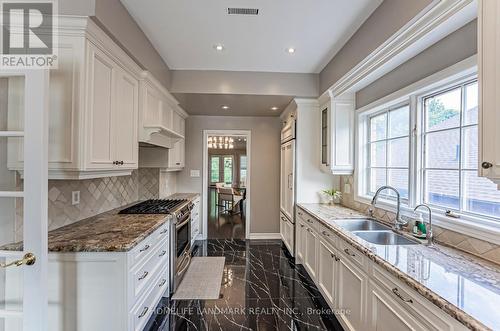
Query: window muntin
point(450, 153)
point(389, 151)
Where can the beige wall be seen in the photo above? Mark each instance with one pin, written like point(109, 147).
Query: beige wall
point(450, 50)
point(264, 167)
point(386, 20)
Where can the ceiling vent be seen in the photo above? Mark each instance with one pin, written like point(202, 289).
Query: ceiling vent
point(243, 11)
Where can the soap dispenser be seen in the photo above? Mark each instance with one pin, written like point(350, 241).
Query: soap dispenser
point(419, 229)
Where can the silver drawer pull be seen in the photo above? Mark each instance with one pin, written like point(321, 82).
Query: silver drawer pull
point(309, 221)
point(144, 312)
point(144, 275)
point(163, 281)
point(325, 234)
point(348, 252)
point(300, 213)
point(162, 253)
point(396, 292)
point(145, 248)
point(164, 231)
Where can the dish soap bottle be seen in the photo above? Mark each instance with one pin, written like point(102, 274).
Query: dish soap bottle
point(419, 229)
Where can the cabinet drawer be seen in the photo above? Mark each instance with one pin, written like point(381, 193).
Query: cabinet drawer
point(328, 235)
point(142, 251)
point(412, 302)
point(141, 313)
point(145, 273)
point(352, 253)
point(308, 219)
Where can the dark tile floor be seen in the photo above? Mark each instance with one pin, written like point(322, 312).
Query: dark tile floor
point(262, 289)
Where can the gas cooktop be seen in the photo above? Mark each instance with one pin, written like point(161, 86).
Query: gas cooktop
point(169, 206)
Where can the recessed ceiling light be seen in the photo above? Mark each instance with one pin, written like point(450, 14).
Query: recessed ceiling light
point(290, 50)
point(274, 108)
point(225, 107)
point(219, 47)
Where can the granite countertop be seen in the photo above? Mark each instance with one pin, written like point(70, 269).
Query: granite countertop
point(188, 196)
point(107, 232)
point(464, 286)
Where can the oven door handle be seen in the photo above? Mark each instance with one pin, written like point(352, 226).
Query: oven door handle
point(178, 226)
point(188, 259)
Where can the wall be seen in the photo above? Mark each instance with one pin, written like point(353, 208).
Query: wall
point(450, 50)
point(384, 22)
point(264, 168)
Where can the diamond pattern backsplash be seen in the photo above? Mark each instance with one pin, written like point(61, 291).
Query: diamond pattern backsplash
point(480, 248)
point(96, 196)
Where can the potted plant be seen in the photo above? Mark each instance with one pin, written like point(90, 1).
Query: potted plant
point(333, 196)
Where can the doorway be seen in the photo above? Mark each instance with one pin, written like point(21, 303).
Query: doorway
point(226, 184)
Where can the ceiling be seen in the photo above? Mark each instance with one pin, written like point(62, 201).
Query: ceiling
point(239, 104)
point(185, 32)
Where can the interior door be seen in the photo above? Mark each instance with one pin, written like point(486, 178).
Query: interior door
point(23, 202)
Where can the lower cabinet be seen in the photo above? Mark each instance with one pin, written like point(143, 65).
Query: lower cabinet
point(366, 296)
point(311, 238)
point(109, 291)
point(287, 233)
point(352, 285)
point(195, 220)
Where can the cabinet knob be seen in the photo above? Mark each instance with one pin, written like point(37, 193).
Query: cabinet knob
point(144, 275)
point(115, 162)
point(486, 165)
point(178, 163)
point(121, 162)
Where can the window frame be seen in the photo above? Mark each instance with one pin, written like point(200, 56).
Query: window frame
point(479, 226)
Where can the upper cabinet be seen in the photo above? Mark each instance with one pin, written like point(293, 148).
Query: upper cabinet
point(337, 133)
point(94, 104)
point(162, 124)
point(489, 86)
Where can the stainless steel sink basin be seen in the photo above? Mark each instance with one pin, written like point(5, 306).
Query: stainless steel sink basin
point(384, 238)
point(360, 225)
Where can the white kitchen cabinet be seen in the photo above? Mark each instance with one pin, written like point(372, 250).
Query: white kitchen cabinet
point(389, 314)
point(311, 240)
point(287, 232)
point(195, 220)
point(489, 86)
point(352, 288)
point(337, 134)
point(300, 243)
point(93, 106)
point(327, 271)
point(287, 196)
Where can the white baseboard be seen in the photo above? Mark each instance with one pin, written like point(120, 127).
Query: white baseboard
point(264, 236)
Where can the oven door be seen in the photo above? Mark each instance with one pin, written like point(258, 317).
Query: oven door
point(182, 250)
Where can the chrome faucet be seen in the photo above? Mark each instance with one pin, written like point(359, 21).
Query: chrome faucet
point(398, 223)
point(428, 235)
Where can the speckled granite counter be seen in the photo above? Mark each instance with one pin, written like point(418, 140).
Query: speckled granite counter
point(107, 232)
point(189, 196)
point(465, 287)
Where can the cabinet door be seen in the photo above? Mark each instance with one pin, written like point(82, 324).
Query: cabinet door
point(300, 242)
point(99, 130)
point(177, 123)
point(176, 155)
point(125, 120)
point(327, 277)
point(387, 314)
point(352, 294)
point(310, 257)
point(287, 179)
point(489, 82)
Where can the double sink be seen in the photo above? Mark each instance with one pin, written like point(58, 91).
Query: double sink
point(373, 232)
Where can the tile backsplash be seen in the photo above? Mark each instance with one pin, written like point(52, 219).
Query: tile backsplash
point(99, 195)
point(480, 248)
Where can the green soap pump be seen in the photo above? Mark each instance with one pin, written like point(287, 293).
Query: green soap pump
point(419, 229)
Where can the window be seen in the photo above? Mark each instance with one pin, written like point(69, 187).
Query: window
point(439, 165)
point(243, 170)
point(389, 151)
point(450, 153)
point(221, 169)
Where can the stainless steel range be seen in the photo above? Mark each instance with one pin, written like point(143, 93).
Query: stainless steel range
point(180, 239)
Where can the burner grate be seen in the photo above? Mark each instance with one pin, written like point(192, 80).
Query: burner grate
point(155, 207)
